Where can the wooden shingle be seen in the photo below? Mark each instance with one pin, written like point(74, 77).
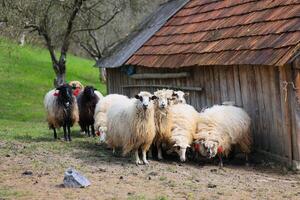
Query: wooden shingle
point(230, 32)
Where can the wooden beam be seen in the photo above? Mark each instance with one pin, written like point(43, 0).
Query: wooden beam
point(198, 89)
point(285, 76)
point(160, 75)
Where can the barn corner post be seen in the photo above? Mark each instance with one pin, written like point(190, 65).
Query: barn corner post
point(285, 77)
point(295, 112)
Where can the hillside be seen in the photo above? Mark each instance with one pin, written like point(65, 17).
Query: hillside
point(26, 75)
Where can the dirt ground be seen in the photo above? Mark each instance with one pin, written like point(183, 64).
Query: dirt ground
point(119, 178)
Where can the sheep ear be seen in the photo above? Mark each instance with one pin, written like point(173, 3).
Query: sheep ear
point(188, 146)
point(137, 96)
point(174, 94)
point(154, 97)
point(95, 89)
point(186, 94)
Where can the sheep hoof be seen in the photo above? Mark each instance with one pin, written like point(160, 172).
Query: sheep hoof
point(159, 157)
point(221, 165)
point(138, 162)
point(146, 162)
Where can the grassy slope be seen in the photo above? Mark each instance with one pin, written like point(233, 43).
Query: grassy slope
point(25, 77)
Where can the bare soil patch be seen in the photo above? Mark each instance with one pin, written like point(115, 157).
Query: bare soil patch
point(28, 172)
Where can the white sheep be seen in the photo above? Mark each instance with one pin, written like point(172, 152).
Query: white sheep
point(162, 118)
point(101, 110)
point(131, 125)
point(219, 128)
point(184, 125)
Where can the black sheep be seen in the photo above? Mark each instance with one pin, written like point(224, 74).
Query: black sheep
point(87, 100)
point(62, 110)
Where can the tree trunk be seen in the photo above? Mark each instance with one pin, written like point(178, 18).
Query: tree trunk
point(102, 75)
point(22, 39)
point(60, 79)
point(60, 71)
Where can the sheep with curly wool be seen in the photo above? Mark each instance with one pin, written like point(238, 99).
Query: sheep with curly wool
point(219, 128)
point(87, 100)
point(62, 110)
point(184, 125)
point(131, 125)
point(162, 118)
point(101, 109)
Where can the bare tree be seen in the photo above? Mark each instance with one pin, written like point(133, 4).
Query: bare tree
point(58, 21)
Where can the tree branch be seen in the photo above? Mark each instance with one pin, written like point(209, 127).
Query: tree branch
point(100, 26)
point(66, 40)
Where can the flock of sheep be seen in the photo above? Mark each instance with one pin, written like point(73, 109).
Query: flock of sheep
point(162, 120)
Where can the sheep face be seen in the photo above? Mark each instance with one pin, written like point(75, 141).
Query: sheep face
point(145, 100)
point(180, 149)
point(164, 98)
point(179, 97)
point(208, 148)
point(89, 92)
point(65, 95)
point(163, 102)
point(102, 133)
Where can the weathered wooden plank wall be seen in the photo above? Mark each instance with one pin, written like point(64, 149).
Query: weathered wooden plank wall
point(255, 88)
point(295, 111)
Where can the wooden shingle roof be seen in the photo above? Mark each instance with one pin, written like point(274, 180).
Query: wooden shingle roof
point(225, 32)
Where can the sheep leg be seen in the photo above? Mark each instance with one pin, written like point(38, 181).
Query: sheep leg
point(137, 158)
point(69, 133)
point(144, 152)
point(88, 131)
point(55, 134)
point(65, 132)
point(93, 131)
point(247, 159)
point(220, 161)
point(159, 153)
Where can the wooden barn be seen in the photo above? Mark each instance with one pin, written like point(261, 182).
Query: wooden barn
point(242, 51)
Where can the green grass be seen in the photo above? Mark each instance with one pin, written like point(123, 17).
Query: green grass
point(26, 75)
point(9, 193)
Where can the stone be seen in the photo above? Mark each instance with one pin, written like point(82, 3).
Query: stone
point(153, 174)
point(27, 173)
point(210, 185)
point(74, 179)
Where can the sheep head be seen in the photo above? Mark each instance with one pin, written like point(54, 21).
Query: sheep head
point(89, 92)
point(180, 149)
point(65, 95)
point(207, 148)
point(179, 96)
point(164, 98)
point(101, 132)
point(145, 100)
point(76, 87)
